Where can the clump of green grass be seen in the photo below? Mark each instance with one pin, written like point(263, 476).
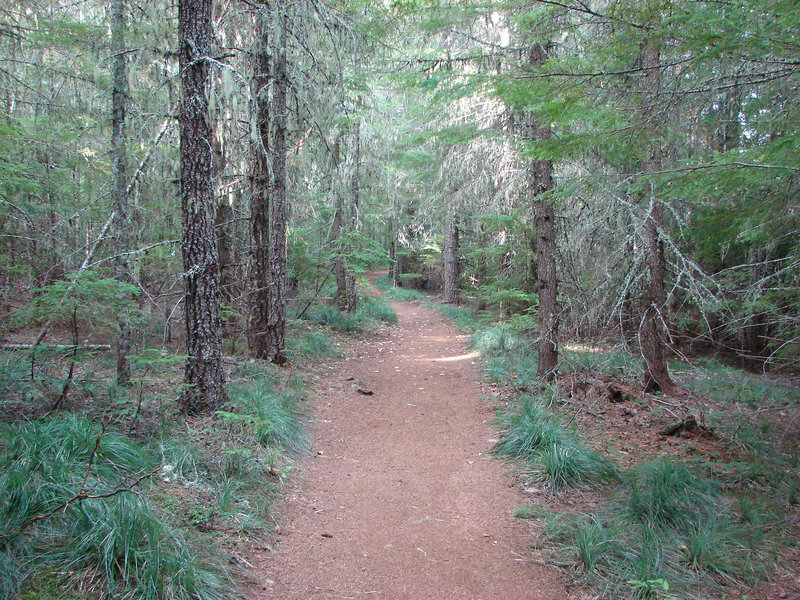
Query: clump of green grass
point(463, 318)
point(665, 523)
point(401, 294)
point(726, 385)
point(65, 508)
point(310, 344)
point(372, 308)
point(614, 361)
point(551, 453)
point(496, 339)
point(370, 312)
point(272, 418)
point(666, 494)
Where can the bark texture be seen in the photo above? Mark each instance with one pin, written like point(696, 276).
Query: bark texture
point(204, 375)
point(541, 182)
point(257, 340)
point(267, 330)
point(653, 334)
point(276, 322)
point(340, 265)
point(355, 192)
point(451, 266)
point(119, 173)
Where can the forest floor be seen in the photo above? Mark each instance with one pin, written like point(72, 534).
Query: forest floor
point(401, 499)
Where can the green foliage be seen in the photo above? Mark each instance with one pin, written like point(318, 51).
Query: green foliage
point(664, 494)
point(370, 312)
point(551, 453)
point(461, 316)
point(666, 524)
point(360, 252)
point(127, 546)
point(107, 533)
point(92, 299)
point(398, 294)
point(496, 339)
point(725, 385)
point(273, 419)
point(310, 344)
point(613, 361)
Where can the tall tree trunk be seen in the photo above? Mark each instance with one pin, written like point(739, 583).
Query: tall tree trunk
point(260, 196)
point(547, 282)
point(204, 377)
point(541, 181)
point(451, 291)
point(350, 282)
point(119, 170)
point(222, 225)
point(276, 323)
point(340, 266)
point(653, 335)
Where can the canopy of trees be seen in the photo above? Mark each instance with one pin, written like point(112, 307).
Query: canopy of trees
point(602, 170)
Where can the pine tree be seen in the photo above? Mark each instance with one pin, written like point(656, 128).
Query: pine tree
point(204, 377)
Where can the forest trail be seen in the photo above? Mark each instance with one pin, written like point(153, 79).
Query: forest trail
point(402, 500)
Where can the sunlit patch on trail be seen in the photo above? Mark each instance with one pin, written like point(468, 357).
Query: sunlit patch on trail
point(456, 358)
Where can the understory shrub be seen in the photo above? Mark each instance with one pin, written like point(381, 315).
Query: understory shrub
point(370, 312)
point(68, 505)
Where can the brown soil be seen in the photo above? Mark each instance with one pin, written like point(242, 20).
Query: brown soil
point(402, 500)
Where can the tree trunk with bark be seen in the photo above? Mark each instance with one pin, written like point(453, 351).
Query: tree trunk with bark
point(340, 265)
point(350, 282)
point(260, 195)
point(119, 171)
point(276, 322)
point(541, 182)
point(653, 333)
point(451, 291)
point(204, 376)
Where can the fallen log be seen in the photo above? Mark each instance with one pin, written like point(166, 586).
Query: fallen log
point(57, 347)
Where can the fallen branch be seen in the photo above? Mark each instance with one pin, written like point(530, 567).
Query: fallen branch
point(57, 347)
point(82, 493)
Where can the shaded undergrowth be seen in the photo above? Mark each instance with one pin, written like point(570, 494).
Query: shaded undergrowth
point(667, 527)
point(398, 294)
point(370, 312)
point(117, 495)
point(87, 506)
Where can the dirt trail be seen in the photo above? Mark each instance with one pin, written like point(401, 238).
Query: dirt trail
point(403, 502)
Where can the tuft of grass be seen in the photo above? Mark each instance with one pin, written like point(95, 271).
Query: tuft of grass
point(272, 418)
point(110, 536)
point(310, 344)
point(550, 453)
point(615, 361)
point(666, 494)
point(370, 312)
point(496, 339)
point(530, 511)
point(126, 546)
point(666, 525)
point(372, 309)
point(727, 385)
point(596, 545)
point(400, 294)
point(463, 318)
